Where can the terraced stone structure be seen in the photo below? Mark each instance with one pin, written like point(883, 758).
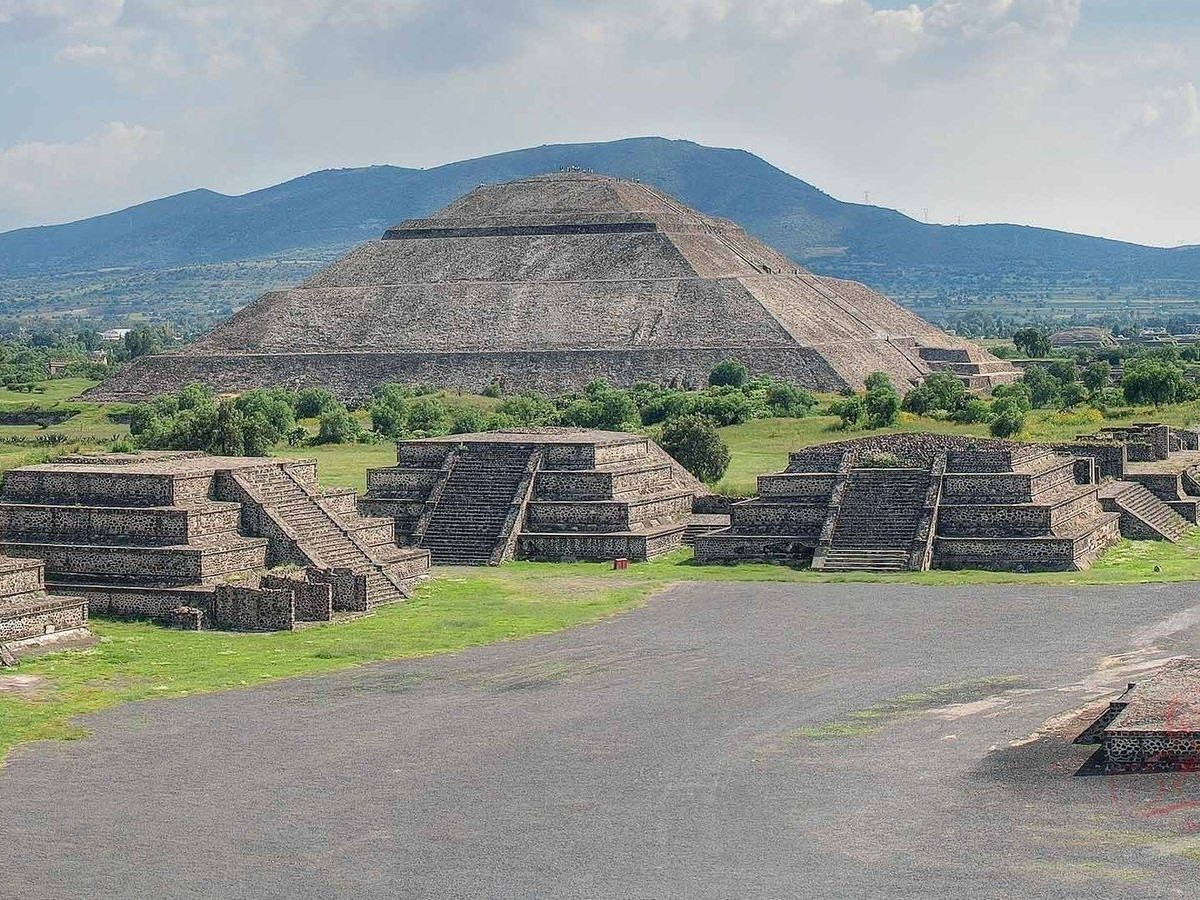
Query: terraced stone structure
point(545, 494)
point(188, 538)
point(1155, 723)
point(1162, 459)
point(550, 283)
point(914, 502)
point(29, 616)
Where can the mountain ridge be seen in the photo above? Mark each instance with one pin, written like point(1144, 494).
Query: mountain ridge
point(325, 211)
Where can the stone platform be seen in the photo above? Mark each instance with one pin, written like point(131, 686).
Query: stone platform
point(914, 502)
point(150, 534)
point(1155, 723)
point(546, 494)
point(30, 617)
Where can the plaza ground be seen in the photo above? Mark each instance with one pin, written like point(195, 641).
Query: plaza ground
point(722, 739)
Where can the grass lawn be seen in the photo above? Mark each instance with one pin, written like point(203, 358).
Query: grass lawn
point(344, 465)
point(52, 391)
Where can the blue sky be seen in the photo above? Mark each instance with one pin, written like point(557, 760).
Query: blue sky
point(1076, 114)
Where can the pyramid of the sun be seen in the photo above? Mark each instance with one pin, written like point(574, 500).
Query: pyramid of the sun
point(548, 283)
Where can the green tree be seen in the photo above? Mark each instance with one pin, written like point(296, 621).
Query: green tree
point(693, 441)
point(939, 391)
point(337, 426)
point(529, 409)
point(1032, 342)
point(1097, 375)
point(728, 373)
point(881, 403)
point(1008, 418)
point(1151, 379)
point(311, 402)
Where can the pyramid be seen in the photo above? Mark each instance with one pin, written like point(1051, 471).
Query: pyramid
point(551, 282)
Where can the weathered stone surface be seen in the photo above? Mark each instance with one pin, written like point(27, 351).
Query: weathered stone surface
point(549, 283)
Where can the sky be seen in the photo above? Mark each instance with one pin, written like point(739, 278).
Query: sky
point(1082, 115)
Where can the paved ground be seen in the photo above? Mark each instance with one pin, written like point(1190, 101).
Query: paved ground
point(727, 740)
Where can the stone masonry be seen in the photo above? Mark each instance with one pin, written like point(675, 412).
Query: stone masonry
point(151, 534)
point(914, 502)
point(548, 494)
point(1154, 724)
point(28, 615)
point(549, 283)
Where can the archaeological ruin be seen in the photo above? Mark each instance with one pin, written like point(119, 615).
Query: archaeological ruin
point(910, 502)
point(32, 619)
point(1155, 723)
point(203, 541)
point(549, 283)
point(540, 494)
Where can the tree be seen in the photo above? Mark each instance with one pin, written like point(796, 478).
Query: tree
point(1044, 389)
point(728, 373)
point(1008, 418)
point(1097, 375)
point(1151, 379)
point(939, 391)
point(1032, 342)
point(851, 410)
point(311, 402)
point(338, 427)
point(693, 441)
point(881, 402)
point(529, 409)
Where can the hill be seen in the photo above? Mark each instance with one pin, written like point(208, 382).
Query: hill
point(197, 254)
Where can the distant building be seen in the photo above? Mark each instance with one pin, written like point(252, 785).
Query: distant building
point(114, 334)
point(58, 366)
point(1083, 337)
point(1154, 336)
point(97, 356)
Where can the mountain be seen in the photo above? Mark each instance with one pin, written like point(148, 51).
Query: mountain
point(223, 249)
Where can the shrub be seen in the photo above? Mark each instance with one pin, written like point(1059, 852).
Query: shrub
point(529, 409)
point(728, 373)
point(694, 443)
point(338, 427)
point(311, 402)
point(940, 390)
point(881, 403)
point(1151, 379)
point(1032, 342)
point(1008, 418)
point(851, 410)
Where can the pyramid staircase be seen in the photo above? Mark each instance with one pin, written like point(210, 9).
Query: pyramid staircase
point(877, 521)
point(478, 507)
point(324, 538)
point(1142, 513)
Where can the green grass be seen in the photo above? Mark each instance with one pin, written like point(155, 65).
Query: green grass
point(344, 465)
point(52, 391)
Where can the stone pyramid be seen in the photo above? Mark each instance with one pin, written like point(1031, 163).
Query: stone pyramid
point(548, 283)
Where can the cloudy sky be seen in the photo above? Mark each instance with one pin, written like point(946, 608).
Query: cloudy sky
point(1074, 114)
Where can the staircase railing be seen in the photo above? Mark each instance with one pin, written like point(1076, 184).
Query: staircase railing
point(434, 498)
point(825, 540)
point(920, 556)
point(511, 530)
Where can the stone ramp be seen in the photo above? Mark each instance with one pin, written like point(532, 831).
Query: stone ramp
point(479, 505)
point(877, 521)
point(1143, 515)
point(321, 536)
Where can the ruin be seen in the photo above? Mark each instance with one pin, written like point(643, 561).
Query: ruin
point(541, 494)
point(552, 282)
point(188, 539)
point(919, 501)
point(1155, 723)
point(30, 618)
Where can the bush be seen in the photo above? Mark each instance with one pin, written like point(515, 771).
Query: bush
point(1032, 342)
point(881, 402)
point(786, 401)
point(338, 427)
point(851, 410)
point(725, 406)
point(940, 390)
point(312, 402)
point(728, 373)
point(1008, 418)
point(694, 443)
point(529, 409)
point(1152, 379)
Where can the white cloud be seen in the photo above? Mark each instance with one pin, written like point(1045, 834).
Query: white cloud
point(57, 180)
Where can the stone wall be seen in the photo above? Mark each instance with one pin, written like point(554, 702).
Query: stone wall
point(239, 608)
point(352, 376)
